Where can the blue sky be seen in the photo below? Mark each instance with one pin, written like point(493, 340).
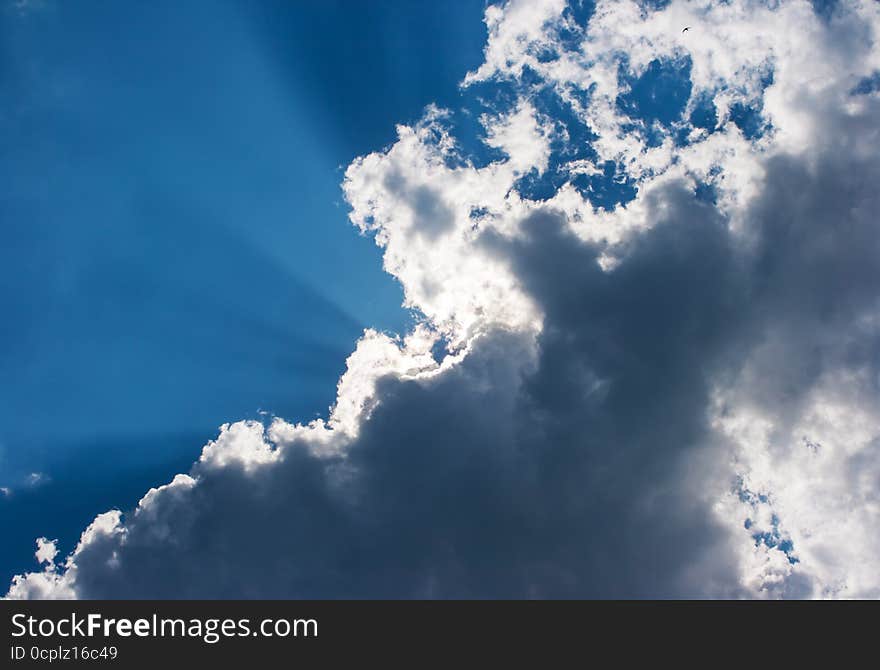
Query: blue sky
point(175, 250)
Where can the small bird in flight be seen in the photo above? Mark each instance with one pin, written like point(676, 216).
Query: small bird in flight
point(686, 29)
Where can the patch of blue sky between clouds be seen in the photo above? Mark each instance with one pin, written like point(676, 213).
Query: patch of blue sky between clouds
point(657, 103)
point(769, 533)
point(867, 85)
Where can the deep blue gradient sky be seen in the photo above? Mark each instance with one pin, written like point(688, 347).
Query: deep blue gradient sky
point(174, 249)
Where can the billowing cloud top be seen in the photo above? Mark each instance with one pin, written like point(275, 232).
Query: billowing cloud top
point(649, 363)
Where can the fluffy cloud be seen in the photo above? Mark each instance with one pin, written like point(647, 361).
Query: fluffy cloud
point(657, 377)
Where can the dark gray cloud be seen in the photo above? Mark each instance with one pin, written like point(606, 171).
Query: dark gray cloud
point(814, 273)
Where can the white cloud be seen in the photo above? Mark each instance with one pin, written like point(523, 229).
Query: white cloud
point(517, 31)
point(35, 479)
point(46, 550)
